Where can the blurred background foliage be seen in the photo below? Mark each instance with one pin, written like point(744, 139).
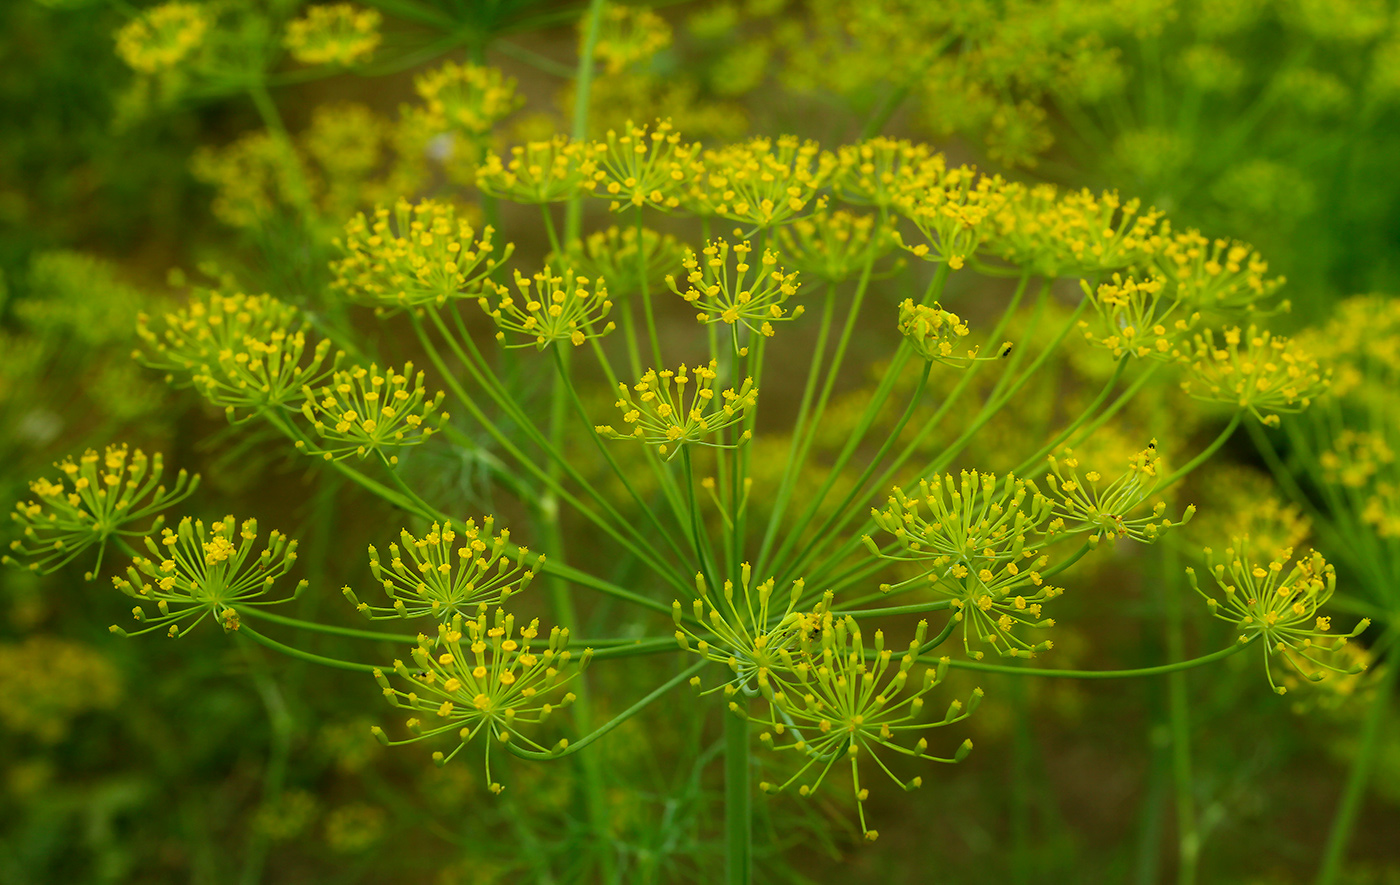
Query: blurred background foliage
point(124, 183)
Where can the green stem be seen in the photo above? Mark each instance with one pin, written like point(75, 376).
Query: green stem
point(583, 87)
point(1334, 855)
point(1205, 453)
point(645, 282)
point(612, 723)
point(307, 656)
point(1211, 658)
point(738, 802)
point(917, 608)
point(1049, 447)
point(1188, 836)
point(350, 632)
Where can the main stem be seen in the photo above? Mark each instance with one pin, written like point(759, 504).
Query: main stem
point(738, 804)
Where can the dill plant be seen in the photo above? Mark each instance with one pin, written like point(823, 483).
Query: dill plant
point(771, 233)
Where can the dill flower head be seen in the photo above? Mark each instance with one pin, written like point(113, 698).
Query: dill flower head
point(1356, 458)
point(882, 171)
point(755, 302)
point(161, 37)
point(1077, 233)
point(95, 499)
point(562, 307)
point(980, 546)
point(627, 35)
point(951, 215)
point(238, 351)
point(933, 333)
point(453, 570)
point(1255, 371)
point(1105, 512)
point(661, 414)
point(611, 255)
point(364, 410)
point(834, 245)
point(1279, 605)
point(1382, 510)
point(834, 701)
point(760, 182)
point(1134, 318)
point(644, 167)
point(419, 255)
point(540, 171)
point(747, 631)
point(466, 98)
point(1224, 276)
point(335, 34)
point(195, 573)
point(498, 681)
point(1252, 508)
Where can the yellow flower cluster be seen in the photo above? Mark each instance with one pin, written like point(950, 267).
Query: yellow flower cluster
point(627, 35)
point(47, 682)
point(611, 255)
point(645, 167)
point(452, 571)
point(1106, 513)
point(494, 681)
point(420, 255)
point(239, 351)
point(736, 299)
point(760, 182)
point(364, 410)
point(1255, 371)
point(933, 331)
point(1224, 276)
point(884, 171)
point(834, 245)
point(952, 215)
point(980, 546)
point(161, 37)
point(662, 416)
point(335, 34)
point(93, 501)
point(540, 172)
point(465, 98)
point(1072, 234)
point(1278, 607)
point(196, 573)
point(834, 701)
point(1133, 318)
point(552, 307)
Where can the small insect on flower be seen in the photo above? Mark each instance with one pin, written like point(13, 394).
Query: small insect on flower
point(736, 299)
point(1256, 371)
point(451, 571)
point(552, 307)
point(364, 410)
point(495, 682)
point(661, 415)
point(195, 573)
point(1105, 513)
point(828, 704)
point(95, 500)
point(1279, 605)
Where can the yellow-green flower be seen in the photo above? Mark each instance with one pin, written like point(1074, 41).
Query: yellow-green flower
point(94, 501)
point(934, 332)
point(540, 171)
point(882, 171)
point(611, 255)
point(736, 298)
point(335, 34)
point(420, 255)
point(364, 410)
point(194, 573)
point(834, 246)
point(832, 702)
point(1077, 233)
point(1107, 512)
point(1279, 606)
point(661, 414)
point(551, 307)
point(1134, 318)
point(644, 167)
point(1255, 371)
point(161, 37)
point(627, 35)
point(760, 182)
point(466, 98)
point(452, 570)
point(495, 682)
point(1225, 276)
point(952, 215)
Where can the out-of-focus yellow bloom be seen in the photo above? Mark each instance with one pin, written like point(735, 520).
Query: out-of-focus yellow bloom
point(336, 34)
point(1255, 371)
point(161, 37)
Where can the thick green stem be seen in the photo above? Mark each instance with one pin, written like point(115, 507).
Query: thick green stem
point(738, 802)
